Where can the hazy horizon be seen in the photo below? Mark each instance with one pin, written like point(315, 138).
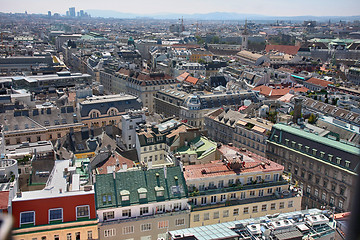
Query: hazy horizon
point(256, 7)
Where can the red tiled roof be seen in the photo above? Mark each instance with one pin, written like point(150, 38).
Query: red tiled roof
point(183, 76)
point(292, 50)
point(218, 168)
point(112, 162)
point(191, 80)
point(4, 200)
point(272, 92)
point(319, 82)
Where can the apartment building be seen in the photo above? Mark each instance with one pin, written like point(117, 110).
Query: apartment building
point(43, 123)
point(191, 108)
point(151, 144)
point(238, 186)
point(229, 126)
point(141, 204)
point(107, 110)
point(56, 212)
point(145, 85)
point(323, 167)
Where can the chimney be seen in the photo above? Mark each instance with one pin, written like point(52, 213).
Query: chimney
point(297, 109)
point(124, 166)
point(19, 194)
point(149, 163)
point(60, 190)
point(165, 172)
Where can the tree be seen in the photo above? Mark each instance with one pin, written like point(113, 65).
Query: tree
point(312, 119)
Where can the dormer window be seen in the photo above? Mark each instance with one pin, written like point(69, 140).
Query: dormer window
point(125, 195)
point(142, 193)
point(159, 191)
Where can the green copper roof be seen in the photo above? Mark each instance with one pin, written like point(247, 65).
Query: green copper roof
point(324, 140)
point(200, 146)
point(110, 192)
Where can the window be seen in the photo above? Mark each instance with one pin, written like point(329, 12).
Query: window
point(27, 218)
point(145, 227)
point(89, 234)
point(246, 210)
point(225, 213)
point(236, 212)
point(177, 206)
point(249, 180)
point(161, 208)
point(77, 235)
point(316, 192)
point(203, 200)
point(278, 189)
point(180, 221)
point(56, 237)
point(267, 177)
point(276, 177)
point(110, 232)
point(273, 206)
point(126, 213)
point(231, 182)
point(341, 204)
point(108, 215)
point(269, 190)
point(55, 215)
point(233, 195)
point(332, 200)
point(206, 216)
point(255, 209)
point(242, 195)
point(264, 207)
point(213, 199)
point(163, 224)
point(282, 205)
point(290, 204)
point(216, 215)
point(196, 218)
point(261, 192)
point(323, 196)
point(68, 236)
point(82, 212)
point(43, 238)
point(252, 193)
point(144, 210)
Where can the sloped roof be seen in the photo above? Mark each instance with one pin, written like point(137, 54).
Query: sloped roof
point(191, 80)
point(319, 82)
point(291, 50)
point(4, 199)
point(106, 185)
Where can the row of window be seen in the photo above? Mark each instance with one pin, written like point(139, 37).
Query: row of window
point(69, 236)
point(231, 182)
point(143, 211)
point(55, 215)
point(215, 199)
point(246, 210)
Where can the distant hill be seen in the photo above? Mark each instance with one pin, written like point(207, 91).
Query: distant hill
point(218, 16)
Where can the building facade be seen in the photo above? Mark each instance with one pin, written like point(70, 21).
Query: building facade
point(153, 202)
point(323, 167)
point(239, 186)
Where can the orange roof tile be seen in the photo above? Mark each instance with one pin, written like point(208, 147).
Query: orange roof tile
point(183, 76)
point(112, 162)
point(191, 80)
point(4, 199)
point(292, 50)
point(319, 82)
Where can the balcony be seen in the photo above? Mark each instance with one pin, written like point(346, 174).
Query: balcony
point(140, 218)
point(235, 202)
point(238, 187)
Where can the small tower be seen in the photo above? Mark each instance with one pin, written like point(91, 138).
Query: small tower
point(297, 110)
point(244, 36)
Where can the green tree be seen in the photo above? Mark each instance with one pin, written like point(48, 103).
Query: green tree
point(312, 119)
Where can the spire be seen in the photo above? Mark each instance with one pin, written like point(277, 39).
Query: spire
point(245, 28)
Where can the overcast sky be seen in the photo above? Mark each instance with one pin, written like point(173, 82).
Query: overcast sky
point(263, 7)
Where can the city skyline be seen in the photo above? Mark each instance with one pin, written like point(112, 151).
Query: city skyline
point(276, 8)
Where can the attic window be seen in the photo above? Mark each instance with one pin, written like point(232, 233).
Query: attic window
point(159, 191)
point(142, 193)
point(125, 195)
